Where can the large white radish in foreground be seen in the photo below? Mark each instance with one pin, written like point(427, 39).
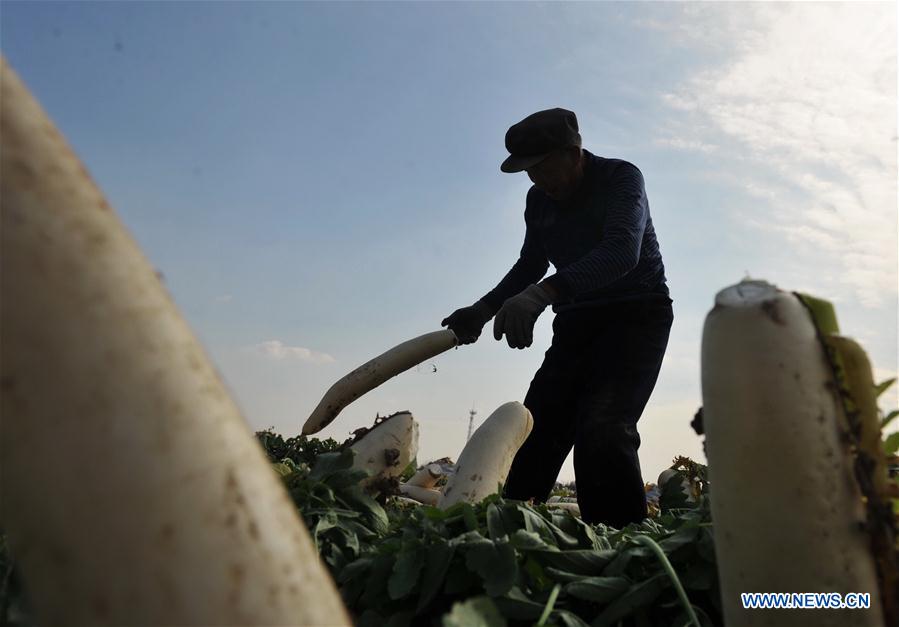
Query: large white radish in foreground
point(387, 448)
point(786, 506)
point(133, 493)
point(487, 457)
point(373, 373)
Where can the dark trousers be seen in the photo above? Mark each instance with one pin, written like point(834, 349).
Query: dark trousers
point(591, 389)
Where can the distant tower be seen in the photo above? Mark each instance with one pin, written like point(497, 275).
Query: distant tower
point(471, 414)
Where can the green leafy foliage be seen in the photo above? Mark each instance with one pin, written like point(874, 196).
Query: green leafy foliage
point(883, 386)
point(497, 563)
point(891, 443)
point(502, 562)
point(342, 519)
point(517, 554)
point(15, 608)
point(299, 449)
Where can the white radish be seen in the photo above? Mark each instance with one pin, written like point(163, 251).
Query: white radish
point(405, 501)
point(157, 506)
point(375, 372)
point(786, 506)
point(428, 475)
point(487, 457)
point(387, 448)
point(574, 508)
point(428, 496)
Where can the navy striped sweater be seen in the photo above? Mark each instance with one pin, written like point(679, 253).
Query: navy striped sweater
point(601, 241)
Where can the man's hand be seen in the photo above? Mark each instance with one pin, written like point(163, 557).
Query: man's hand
point(467, 322)
point(518, 314)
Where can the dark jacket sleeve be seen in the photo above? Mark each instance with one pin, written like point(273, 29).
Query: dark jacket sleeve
point(619, 249)
point(532, 264)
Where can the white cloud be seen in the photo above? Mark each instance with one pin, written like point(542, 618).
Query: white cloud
point(809, 102)
point(686, 144)
point(275, 349)
point(714, 26)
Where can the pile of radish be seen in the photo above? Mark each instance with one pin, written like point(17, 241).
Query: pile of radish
point(169, 513)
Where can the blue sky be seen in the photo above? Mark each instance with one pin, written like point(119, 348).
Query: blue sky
point(319, 182)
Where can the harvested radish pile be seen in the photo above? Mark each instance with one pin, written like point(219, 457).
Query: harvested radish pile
point(435, 544)
point(502, 562)
point(135, 494)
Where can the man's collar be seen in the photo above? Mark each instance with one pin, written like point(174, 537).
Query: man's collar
point(584, 185)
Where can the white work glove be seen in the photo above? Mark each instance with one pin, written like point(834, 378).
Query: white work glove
point(518, 314)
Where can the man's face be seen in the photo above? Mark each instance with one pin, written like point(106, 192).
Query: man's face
point(559, 174)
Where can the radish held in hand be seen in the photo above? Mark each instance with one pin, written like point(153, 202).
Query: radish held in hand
point(373, 373)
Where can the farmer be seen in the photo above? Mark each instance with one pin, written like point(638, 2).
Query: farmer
point(589, 217)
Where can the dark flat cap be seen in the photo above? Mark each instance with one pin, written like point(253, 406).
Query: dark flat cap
point(535, 137)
